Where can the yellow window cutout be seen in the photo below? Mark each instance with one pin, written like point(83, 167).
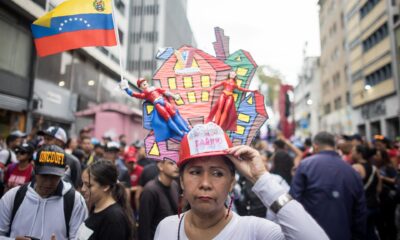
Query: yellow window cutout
point(250, 101)
point(240, 129)
point(235, 96)
point(194, 64)
point(241, 71)
point(149, 109)
point(187, 82)
point(155, 151)
point(244, 117)
point(239, 82)
point(178, 65)
point(191, 97)
point(172, 83)
point(238, 59)
point(205, 81)
point(179, 101)
point(205, 96)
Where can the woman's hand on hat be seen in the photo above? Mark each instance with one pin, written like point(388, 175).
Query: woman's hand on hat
point(247, 161)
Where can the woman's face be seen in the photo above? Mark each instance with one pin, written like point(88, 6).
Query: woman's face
point(91, 190)
point(206, 183)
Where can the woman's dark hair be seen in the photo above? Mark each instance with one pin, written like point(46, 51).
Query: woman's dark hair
point(366, 152)
point(385, 157)
point(106, 174)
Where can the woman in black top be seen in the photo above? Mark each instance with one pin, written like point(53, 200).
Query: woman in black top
point(110, 215)
point(388, 201)
point(362, 157)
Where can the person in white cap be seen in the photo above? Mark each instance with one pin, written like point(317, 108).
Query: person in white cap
point(58, 136)
point(207, 163)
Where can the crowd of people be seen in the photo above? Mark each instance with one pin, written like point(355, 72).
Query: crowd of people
point(336, 187)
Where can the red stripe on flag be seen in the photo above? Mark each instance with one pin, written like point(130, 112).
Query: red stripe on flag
point(71, 40)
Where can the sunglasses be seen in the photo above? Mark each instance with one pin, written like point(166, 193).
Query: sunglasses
point(21, 153)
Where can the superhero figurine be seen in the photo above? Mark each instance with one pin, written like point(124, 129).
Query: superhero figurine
point(166, 120)
point(223, 112)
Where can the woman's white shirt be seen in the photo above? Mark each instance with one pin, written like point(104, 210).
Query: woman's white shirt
point(294, 222)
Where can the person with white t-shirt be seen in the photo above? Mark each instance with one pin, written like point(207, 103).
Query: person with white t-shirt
point(207, 163)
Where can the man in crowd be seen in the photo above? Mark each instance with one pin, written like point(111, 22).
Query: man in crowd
point(159, 199)
point(34, 210)
point(8, 156)
point(57, 136)
point(331, 191)
point(112, 154)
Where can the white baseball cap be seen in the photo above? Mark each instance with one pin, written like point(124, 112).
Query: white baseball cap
point(55, 132)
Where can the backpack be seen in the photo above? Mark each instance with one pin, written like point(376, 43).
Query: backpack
point(69, 199)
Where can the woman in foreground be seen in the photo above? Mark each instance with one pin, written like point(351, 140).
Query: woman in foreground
point(207, 163)
point(110, 215)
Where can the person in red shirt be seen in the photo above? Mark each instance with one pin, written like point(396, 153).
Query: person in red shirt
point(135, 170)
point(20, 173)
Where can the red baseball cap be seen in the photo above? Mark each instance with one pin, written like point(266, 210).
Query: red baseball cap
point(130, 154)
point(203, 140)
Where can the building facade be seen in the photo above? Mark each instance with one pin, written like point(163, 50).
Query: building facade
point(335, 109)
point(154, 24)
point(57, 86)
point(373, 65)
point(307, 95)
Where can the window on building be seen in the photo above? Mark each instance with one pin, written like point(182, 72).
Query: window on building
point(348, 98)
point(327, 108)
point(338, 103)
point(41, 3)
point(172, 83)
point(120, 6)
point(187, 82)
point(15, 49)
point(375, 37)
point(367, 7)
point(205, 81)
point(379, 75)
point(336, 79)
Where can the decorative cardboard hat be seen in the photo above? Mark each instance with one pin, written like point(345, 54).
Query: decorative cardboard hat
point(202, 141)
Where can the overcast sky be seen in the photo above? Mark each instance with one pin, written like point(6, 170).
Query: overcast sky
point(273, 31)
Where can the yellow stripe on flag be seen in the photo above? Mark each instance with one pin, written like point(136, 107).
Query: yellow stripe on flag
point(74, 7)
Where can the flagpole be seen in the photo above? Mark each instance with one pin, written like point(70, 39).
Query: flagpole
point(118, 41)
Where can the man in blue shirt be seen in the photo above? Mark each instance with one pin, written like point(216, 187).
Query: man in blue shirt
point(331, 191)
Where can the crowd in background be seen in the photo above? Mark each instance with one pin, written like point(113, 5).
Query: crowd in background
point(152, 189)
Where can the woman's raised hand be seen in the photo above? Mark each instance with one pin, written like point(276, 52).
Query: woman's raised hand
point(247, 161)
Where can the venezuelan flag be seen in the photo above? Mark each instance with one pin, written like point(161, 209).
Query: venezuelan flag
point(74, 24)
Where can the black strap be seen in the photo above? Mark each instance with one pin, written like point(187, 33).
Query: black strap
point(179, 227)
point(9, 157)
point(19, 197)
point(69, 200)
